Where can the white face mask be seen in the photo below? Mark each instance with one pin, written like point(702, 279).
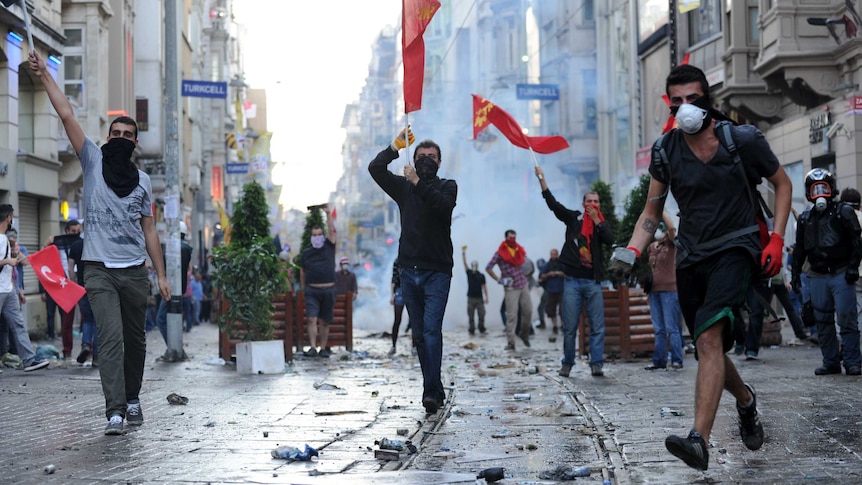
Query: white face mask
point(690, 118)
point(659, 235)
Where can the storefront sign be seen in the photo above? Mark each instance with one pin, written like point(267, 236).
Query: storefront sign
point(817, 126)
point(854, 106)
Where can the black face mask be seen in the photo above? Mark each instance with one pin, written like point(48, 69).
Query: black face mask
point(119, 172)
point(426, 168)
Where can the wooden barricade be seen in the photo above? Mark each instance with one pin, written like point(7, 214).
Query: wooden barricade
point(340, 329)
point(283, 318)
point(628, 327)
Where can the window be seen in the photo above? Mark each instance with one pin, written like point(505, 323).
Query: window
point(73, 67)
point(753, 30)
point(590, 109)
point(705, 21)
point(589, 11)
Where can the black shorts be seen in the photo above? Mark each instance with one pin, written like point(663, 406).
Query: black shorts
point(713, 290)
point(319, 303)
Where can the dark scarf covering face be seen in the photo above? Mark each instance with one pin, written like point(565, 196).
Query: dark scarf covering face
point(119, 172)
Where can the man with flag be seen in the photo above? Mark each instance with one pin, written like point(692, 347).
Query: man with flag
point(425, 202)
point(582, 259)
point(121, 234)
point(10, 307)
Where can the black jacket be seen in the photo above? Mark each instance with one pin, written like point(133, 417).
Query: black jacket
point(426, 215)
point(569, 254)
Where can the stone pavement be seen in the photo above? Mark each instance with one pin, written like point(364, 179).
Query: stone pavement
point(342, 405)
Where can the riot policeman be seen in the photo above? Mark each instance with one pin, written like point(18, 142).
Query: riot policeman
point(828, 239)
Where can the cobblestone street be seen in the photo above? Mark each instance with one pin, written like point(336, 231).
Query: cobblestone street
point(342, 405)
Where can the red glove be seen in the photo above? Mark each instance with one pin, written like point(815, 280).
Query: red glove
point(770, 259)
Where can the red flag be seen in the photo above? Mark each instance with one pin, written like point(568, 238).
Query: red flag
point(416, 15)
point(48, 268)
point(671, 121)
point(486, 112)
point(334, 215)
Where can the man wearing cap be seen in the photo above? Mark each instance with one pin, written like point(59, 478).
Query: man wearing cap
point(345, 280)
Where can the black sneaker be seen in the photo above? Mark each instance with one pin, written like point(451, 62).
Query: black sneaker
point(596, 370)
point(526, 340)
point(854, 370)
point(431, 405)
point(823, 370)
point(36, 365)
point(115, 426)
point(134, 415)
point(565, 370)
point(325, 353)
point(85, 354)
point(312, 352)
point(691, 449)
point(750, 428)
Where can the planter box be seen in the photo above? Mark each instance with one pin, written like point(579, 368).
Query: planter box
point(265, 357)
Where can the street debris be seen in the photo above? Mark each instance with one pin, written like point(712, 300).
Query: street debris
point(46, 352)
point(176, 399)
point(666, 411)
point(322, 386)
point(292, 453)
point(492, 474)
point(338, 413)
point(402, 431)
point(565, 472)
point(215, 361)
point(49, 469)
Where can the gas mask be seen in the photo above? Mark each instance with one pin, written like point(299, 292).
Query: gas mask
point(317, 241)
point(693, 118)
point(426, 168)
point(820, 192)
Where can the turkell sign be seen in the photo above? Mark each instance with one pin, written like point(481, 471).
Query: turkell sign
point(547, 92)
point(204, 89)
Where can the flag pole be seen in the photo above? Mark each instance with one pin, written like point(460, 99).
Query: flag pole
point(407, 133)
point(27, 25)
point(533, 155)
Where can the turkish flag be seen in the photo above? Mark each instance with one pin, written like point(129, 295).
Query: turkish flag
point(486, 112)
point(48, 268)
point(415, 17)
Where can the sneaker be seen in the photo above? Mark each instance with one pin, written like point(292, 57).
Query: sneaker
point(541, 326)
point(472, 331)
point(392, 352)
point(556, 330)
point(676, 366)
point(115, 425)
point(36, 365)
point(134, 415)
point(854, 370)
point(596, 370)
point(691, 449)
point(510, 347)
point(751, 355)
point(431, 405)
point(325, 353)
point(312, 352)
point(85, 353)
point(526, 340)
point(750, 428)
point(482, 330)
point(565, 370)
point(655, 367)
point(823, 370)
point(738, 350)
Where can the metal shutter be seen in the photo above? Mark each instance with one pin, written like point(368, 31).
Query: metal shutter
point(27, 214)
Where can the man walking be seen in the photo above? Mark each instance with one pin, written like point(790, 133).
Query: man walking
point(583, 265)
point(345, 280)
point(827, 237)
point(712, 170)
point(552, 279)
point(510, 256)
point(10, 306)
point(476, 289)
point(425, 202)
point(121, 234)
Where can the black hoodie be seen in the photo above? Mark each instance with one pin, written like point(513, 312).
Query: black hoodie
point(426, 215)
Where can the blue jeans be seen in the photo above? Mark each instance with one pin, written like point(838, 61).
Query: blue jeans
point(665, 314)
point(833, 294)
point(88, 324)
point(583, 293)
point(425, 295)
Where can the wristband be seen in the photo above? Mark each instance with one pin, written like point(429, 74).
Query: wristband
point(634, 250)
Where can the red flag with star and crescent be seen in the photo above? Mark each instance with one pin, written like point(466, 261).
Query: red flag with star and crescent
point(415, 17)
point(486, 112)
point(49, 269)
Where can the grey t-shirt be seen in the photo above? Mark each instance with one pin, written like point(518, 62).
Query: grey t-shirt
point(114, 233)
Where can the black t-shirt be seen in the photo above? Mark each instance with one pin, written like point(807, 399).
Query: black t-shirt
point(319, 264)
point(475, 281)
point(712, 198)
point(76, 252)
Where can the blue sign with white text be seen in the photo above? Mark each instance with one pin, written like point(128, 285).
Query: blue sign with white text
point(204, 89)
point(547, 92)
point(237, 168)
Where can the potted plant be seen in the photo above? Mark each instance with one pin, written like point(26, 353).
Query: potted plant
point(248, 273)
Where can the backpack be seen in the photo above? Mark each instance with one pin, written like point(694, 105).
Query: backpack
point(762, 213)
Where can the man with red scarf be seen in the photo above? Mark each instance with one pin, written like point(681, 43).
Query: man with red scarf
point(583, 264)
point(509, 257)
